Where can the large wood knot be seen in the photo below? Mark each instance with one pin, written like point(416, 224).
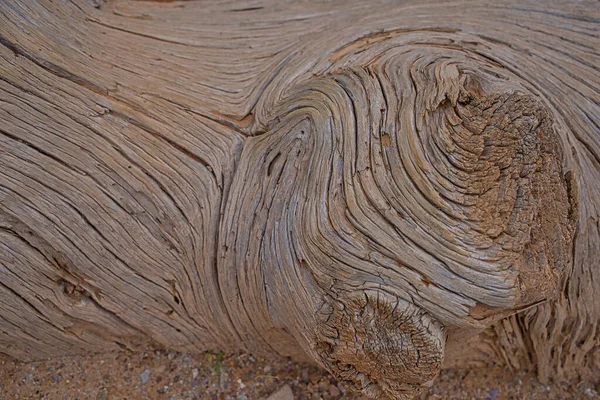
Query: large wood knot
point(381, 347)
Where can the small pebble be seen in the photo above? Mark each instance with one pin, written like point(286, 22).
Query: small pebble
point(223, 380)
point(144, 376)
point(519, 381)
point(285, 393)
point(590, 393)
point(194, 373)
point(56, 378)
point(324, 384)
point(305, 375)
point(493, 393)
point(160, 391)
point(102, 395)
point(334, 391)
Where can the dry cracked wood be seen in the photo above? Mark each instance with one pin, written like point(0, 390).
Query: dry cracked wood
point(367, 185)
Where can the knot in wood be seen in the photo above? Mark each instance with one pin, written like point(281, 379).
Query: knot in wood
point(381, 346)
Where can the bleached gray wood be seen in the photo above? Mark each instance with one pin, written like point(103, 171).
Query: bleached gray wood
point(370, 185)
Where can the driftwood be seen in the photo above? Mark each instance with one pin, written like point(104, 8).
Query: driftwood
point(383, 188)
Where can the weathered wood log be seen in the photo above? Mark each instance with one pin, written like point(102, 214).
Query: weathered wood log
point(366, 185)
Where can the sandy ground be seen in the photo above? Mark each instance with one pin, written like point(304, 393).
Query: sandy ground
point(162, 374)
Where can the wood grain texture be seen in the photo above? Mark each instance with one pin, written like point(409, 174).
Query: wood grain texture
point(365, 184)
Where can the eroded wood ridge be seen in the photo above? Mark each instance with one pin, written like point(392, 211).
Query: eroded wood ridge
point(365, 184)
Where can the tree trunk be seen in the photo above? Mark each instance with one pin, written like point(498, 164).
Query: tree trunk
point(382, 188)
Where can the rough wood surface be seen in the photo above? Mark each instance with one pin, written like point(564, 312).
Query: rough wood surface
point(363, 183)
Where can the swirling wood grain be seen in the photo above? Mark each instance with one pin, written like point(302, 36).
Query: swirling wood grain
point(367, 184)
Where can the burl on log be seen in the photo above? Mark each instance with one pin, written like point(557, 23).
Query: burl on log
point(384, 188)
